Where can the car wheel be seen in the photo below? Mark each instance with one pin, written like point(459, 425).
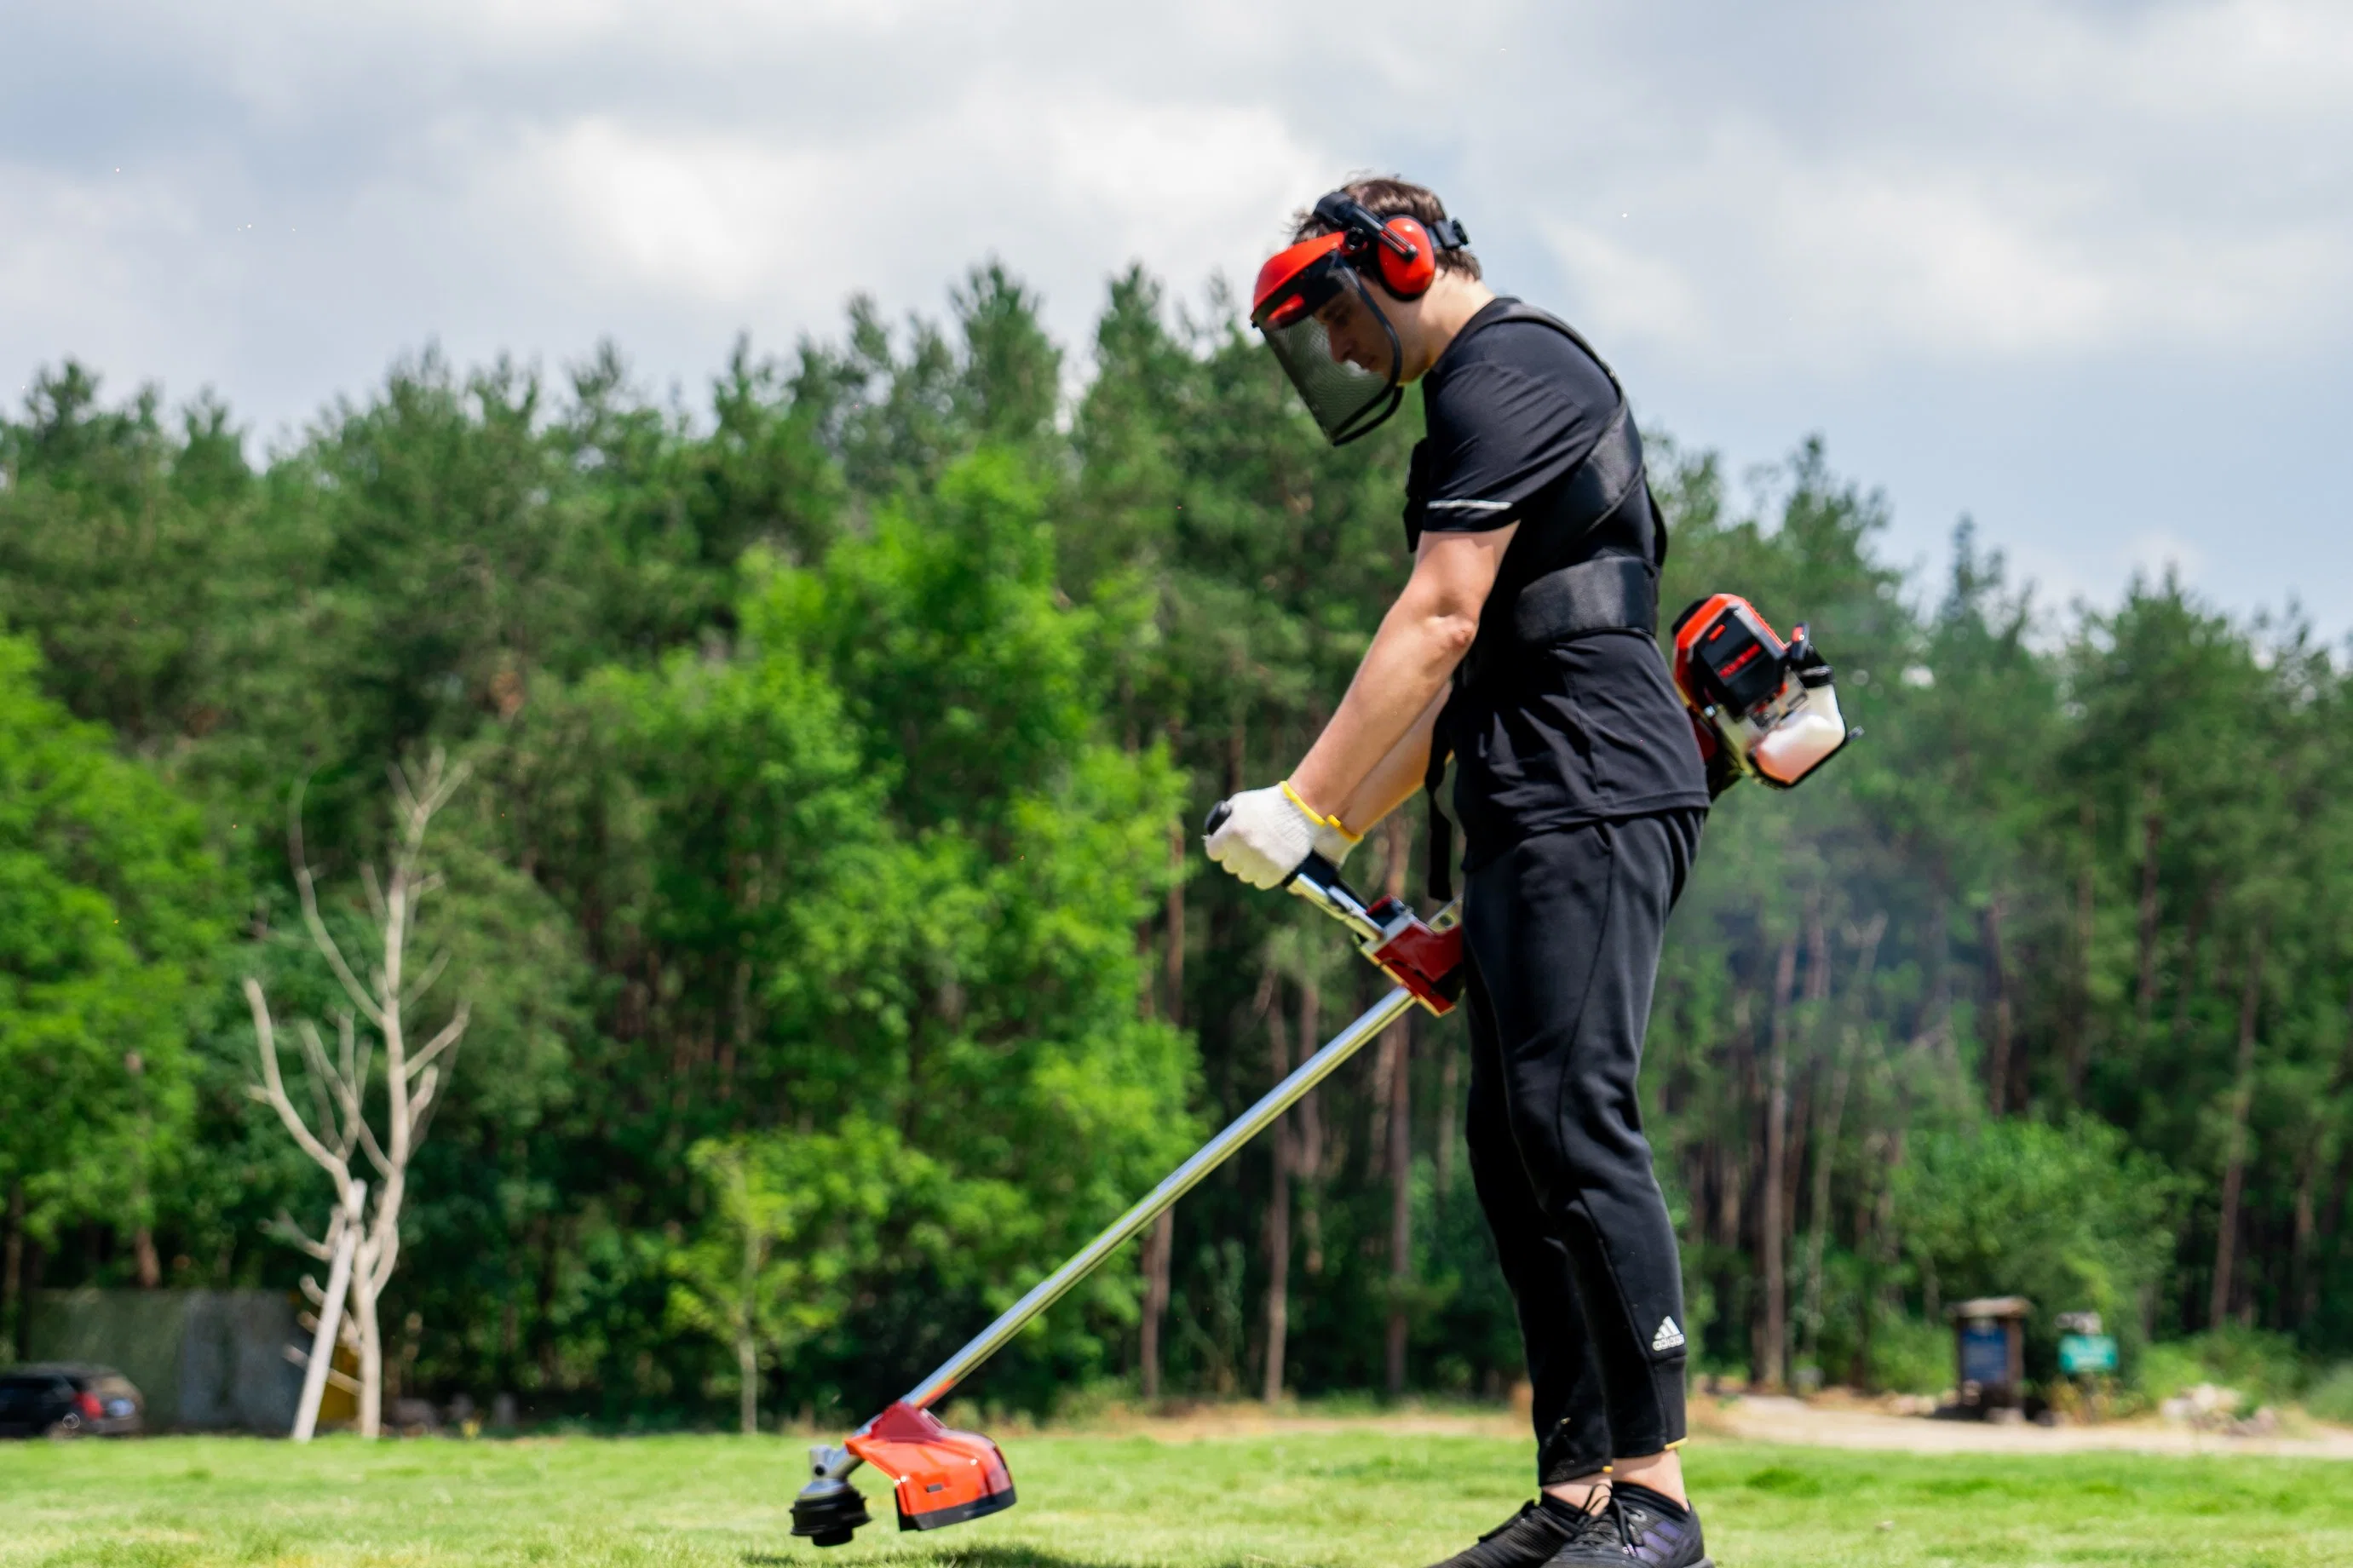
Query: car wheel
point(68, 1425)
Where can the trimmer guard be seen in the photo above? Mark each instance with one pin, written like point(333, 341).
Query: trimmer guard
point(944, 1477)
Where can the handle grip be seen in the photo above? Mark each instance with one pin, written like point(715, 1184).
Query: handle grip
point(1316, 870)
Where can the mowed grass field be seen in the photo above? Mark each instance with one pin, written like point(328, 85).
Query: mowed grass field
point(1357, 1497)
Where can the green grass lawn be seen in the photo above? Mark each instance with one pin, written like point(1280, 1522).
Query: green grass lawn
point(1360, 1497)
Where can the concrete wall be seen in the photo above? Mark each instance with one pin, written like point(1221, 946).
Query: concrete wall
point(204, 1359)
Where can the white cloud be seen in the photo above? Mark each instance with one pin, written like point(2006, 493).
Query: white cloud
point(71, 240)
point(712, 217)
point(1864, 260)
point(1874, 200)
point(2022, 182)
point(2272, 62)
point(746, 226)
point(1178, 184)
point(2154, 553)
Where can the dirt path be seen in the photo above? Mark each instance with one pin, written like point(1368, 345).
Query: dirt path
point(1758, 1418)
point(1780, 1420)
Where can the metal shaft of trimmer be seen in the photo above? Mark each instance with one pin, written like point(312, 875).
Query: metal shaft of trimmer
point(1212, 1154)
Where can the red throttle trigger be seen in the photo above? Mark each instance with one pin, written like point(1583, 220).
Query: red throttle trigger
point(1423, 956)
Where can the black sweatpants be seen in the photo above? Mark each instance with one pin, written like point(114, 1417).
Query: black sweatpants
point(1563, 931)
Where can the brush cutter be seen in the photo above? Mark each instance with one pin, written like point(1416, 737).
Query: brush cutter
point(944, 1477)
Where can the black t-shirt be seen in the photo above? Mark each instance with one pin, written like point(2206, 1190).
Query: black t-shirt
point(1588, 729)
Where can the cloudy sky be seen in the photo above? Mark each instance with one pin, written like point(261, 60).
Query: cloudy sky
point(2080, 269)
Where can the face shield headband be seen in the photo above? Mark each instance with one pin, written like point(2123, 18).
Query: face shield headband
point(1294, 290)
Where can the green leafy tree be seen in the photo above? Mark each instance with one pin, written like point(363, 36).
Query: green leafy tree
point(109, 914)
point(842, 743)
point(2067, 1216)
point(124, 545)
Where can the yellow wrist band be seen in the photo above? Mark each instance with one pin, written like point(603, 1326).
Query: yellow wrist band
point(1317, 817)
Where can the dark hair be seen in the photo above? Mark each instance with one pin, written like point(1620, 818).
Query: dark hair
point(1389, 197)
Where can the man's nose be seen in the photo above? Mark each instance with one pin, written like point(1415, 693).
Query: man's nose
point(1338, 343)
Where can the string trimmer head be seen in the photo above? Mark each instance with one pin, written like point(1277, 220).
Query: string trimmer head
point(943, 1477)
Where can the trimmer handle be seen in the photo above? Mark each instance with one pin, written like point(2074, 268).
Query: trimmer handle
point(1314, 869)
point(1424, 956)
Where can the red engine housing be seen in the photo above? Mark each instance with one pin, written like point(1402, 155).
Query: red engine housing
point(1726, 654)
point(1756, 713)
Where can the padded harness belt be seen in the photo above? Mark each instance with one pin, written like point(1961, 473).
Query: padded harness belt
point(1611, 594)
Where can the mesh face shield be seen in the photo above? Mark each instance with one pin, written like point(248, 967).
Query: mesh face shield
point(1346, 399)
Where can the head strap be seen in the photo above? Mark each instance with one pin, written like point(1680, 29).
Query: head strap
point(1366, 228)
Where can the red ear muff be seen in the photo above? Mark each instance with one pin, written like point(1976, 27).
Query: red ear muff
point(1409, 260)
point(1407, 251)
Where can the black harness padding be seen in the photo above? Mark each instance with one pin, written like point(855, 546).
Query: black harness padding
point(1613, 593)
point(1599, 593)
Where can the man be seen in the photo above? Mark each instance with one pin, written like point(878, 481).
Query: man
point(1524, 644)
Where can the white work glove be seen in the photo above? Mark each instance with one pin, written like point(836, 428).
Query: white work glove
point(1268, 832)
point(1334, 841)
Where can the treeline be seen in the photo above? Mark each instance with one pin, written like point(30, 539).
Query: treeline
point(839, 954)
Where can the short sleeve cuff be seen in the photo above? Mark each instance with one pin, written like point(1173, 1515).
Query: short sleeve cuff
point(1442, 514)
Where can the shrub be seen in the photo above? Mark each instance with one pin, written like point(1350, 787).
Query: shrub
point(2068, 1216)
point(2167, 1369)
point(2263, 1366)
point(2331, 1398)
point(1908, 1356)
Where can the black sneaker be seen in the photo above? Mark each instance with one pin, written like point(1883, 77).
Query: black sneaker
point(1635, 1523)
point(1529, 1539)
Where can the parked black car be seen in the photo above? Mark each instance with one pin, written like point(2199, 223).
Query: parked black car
point(68, 1399)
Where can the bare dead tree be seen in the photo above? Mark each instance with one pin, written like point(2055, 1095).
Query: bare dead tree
point(337, 1126)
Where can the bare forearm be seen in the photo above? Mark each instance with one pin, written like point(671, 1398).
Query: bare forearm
point(1397, 776)
point(1396, 690)
point(1398, 684)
